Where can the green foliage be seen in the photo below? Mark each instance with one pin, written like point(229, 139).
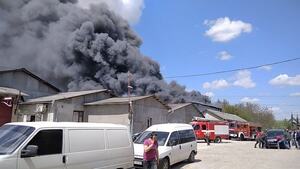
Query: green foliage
point(285, 124)
point(251, 112)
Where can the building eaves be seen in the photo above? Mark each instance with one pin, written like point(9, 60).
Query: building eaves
point(61, 96)
point(6, 92)
point(32, 75)
point(178, 106)
point(207, 105)
point(124, 100)
point(175, 107)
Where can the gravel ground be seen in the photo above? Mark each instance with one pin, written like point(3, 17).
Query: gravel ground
point(241, 155)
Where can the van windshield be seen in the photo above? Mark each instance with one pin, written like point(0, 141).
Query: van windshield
point(161, 137)
point(11, 136)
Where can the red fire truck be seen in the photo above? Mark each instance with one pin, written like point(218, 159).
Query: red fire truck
point(243, 130)
point(217, 130)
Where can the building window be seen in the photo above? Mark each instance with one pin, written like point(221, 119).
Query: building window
point(149, 122)
point(32, 118)
point(78, 116)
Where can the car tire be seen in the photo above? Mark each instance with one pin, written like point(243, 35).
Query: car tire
point(218, 140)
point(165, 164)
point(191, 158)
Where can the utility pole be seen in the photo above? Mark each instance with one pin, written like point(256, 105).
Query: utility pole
point(130, 110)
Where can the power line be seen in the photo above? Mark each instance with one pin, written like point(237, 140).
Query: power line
point(233, 70)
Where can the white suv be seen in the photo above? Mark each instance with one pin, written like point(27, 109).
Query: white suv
point(177, 142)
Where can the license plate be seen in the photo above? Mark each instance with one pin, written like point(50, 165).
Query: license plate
point(272, 140)
point(138, 162)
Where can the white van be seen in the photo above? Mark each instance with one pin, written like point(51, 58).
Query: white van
point(176, 142)
point(64, 145)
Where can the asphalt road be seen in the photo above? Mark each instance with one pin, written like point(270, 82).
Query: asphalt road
point(241, 155)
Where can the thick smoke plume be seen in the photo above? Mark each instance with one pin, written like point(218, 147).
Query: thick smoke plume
point(79, 49)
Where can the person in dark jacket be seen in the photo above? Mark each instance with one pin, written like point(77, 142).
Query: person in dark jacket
point(297, 136)
point(263, 140)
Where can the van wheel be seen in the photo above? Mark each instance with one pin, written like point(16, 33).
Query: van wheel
point(218, 140)
point(191, 157)
point(165, 164)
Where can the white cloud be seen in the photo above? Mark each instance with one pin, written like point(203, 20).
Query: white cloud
point(295, 94)
point(224, 55)
point(224, 30)
point(243, 79)
point(284, 79)
point(267, 68)
point(274, 109)
point(130, 10)
point(249, 100)
point(216, 84)
point(209, 94)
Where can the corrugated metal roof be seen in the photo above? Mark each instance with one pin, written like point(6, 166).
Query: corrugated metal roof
point(60, 96)
point(123, 100)
point(181, 105)
point(178, 106)
point(5, 91)
point(32, 75)
point(225, 116)
point(208, 105)
point(211, 118)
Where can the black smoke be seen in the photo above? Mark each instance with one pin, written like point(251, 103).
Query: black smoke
point(79, 49)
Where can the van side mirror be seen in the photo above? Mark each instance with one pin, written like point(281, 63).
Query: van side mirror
point(173, 143)
point(29, 151)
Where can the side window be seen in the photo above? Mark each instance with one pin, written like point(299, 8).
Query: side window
point(173, 137)
point(196, 127)
point(204, 127)
point(191, 135)
point(48, 142)
point(186, 136)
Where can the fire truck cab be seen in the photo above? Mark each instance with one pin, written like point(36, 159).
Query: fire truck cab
point(217, 130)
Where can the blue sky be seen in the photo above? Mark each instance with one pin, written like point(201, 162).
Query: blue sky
point(191, 37)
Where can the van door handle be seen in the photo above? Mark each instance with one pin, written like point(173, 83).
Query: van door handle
point(64, 159)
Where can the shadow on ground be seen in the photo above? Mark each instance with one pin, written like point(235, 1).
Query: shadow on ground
point(223, 142)
point(184, 163)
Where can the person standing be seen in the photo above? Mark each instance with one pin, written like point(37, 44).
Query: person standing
point(258, 139)
point(207, 134)
point(263, 140)
point(297, 136)
point(151, 157)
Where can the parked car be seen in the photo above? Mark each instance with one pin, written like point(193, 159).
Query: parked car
point(176, 142)
point(277, 138)
point(54, 145)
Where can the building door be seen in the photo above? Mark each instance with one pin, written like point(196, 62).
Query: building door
point(78, 116)
point(149, 122)
point(49, 153)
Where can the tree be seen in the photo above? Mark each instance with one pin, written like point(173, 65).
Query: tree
point(252, 113)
